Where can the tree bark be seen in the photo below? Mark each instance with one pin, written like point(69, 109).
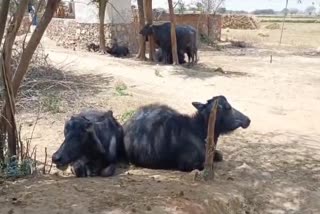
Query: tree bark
point(149, 17)
point(3, 20)
point(173, 34)
point(102, 37)
point(30, 49)
point(3, 17)
point(13, 28)
point(142, 43)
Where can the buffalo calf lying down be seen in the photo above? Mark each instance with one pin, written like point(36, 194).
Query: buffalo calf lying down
point(92, 47)
point(93, 144)
point(118, 50)
point(158, 137)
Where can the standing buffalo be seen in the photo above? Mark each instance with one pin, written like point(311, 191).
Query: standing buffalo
point(158, 137)
point(186, 40)
point(93, 144)
point(159, 57)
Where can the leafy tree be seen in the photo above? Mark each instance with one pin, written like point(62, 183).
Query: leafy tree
point(13, 79)
point(264, 12)
point(180, 7)
point(310, 10)
point(293, 11)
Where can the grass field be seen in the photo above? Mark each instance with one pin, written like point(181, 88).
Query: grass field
point(295, 35)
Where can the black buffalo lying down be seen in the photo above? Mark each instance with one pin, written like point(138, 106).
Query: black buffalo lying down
point(159, 137)
point(93, 144)
point(118, 50)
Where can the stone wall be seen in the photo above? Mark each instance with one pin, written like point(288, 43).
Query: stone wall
point(71, 34)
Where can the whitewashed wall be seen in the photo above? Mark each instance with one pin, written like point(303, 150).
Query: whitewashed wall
point(86, 12)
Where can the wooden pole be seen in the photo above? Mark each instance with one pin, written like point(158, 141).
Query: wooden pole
point(211, 144)
point(173, 34)
point(142, 44)
point(149, 18)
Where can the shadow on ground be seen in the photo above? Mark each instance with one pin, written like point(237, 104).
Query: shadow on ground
point(203, 71)
point(262, 173)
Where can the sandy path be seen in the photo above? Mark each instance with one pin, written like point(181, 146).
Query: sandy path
point(282, 96)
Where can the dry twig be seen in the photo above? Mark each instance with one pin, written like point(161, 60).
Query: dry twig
point(45, 160)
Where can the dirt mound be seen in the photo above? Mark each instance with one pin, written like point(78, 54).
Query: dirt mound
point(273, 26)
point(240, 22)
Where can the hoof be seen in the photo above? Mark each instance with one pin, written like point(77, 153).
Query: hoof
point(218, 156)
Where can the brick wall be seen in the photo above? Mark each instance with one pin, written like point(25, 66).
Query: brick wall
point(209, 26)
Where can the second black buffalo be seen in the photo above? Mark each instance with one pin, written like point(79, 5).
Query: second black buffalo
point(93, 144)
point(186, 41)
point(159, 137)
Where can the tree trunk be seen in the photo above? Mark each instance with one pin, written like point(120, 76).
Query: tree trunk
point(13, 28)
point(173, 34)
point(102, 12)
point(3, 20)
point(3, 17)
point(149, 17)
point(142, 43)
point(30, 49)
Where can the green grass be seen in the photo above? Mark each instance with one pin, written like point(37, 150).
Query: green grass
point(13, 168)
point(292, 20)
point(126, 115)
point(52, 103)
point(121, 89)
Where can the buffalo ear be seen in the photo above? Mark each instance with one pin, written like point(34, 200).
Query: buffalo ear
point(199, 106)
point(89, 127)
point(109, 113)
point(98, 144)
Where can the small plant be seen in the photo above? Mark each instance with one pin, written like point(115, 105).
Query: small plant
point(126, 115)
point(157, 73)
point(13, 168)
point(52, 103)
point(205, 39)
point(121, 89)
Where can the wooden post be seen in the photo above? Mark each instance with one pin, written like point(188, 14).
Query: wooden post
point(149, 18)
point(142, 43)
point(102, 37)
point(211, 144)
point(173, 34)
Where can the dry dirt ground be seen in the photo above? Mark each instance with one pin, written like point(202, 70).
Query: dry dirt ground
point(272, 167)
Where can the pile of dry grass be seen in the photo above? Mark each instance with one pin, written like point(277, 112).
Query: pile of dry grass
point(240, 22)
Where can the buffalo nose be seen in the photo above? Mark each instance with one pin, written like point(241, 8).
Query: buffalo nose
point(247, 123)
point(56, 158)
